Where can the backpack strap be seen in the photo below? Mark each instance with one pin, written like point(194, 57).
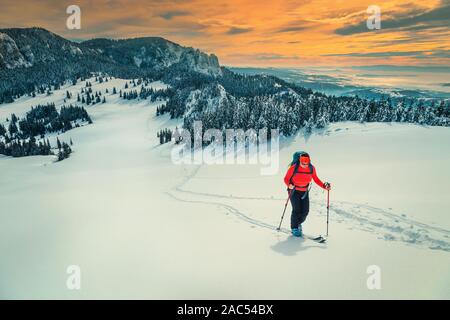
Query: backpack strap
point(294, 173)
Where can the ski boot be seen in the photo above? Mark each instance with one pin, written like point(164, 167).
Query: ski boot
point(297, 232)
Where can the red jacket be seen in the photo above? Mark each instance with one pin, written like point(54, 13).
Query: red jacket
point(302, 177)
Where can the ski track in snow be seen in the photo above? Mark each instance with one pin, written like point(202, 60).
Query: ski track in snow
point(232, 210)
point(387, 226)
point(227, 207)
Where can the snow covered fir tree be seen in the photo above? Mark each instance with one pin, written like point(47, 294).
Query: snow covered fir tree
point(27, 136)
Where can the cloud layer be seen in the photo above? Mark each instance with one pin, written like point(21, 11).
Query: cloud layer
point(247, 32)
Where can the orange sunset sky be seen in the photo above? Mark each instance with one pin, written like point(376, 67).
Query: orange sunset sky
point(260, 33)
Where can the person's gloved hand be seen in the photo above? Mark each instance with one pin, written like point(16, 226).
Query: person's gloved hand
point(327, 186)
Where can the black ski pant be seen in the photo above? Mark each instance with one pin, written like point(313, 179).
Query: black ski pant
point(300, 208)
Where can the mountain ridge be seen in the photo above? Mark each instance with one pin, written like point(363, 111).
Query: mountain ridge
point(20, 40)
point(34, 57)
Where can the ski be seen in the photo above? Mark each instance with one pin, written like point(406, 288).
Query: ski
point(318, 239)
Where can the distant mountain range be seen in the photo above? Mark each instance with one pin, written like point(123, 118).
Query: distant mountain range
point(337, 85)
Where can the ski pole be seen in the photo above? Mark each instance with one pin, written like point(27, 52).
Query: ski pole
point(285, 206)
point(328, 208)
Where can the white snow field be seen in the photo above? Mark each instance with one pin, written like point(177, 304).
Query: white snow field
point(140, 226)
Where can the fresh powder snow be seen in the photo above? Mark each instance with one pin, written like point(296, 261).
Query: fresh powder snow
point(139, 226)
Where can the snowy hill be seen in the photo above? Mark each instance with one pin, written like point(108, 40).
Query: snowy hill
point(140, 226)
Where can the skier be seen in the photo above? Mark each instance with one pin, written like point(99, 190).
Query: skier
point(298, 180)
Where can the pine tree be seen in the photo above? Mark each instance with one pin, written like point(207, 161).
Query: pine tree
point(12, 128)
point(2, 130)
point(58, 143)
point(64, 152)
point(440, 109)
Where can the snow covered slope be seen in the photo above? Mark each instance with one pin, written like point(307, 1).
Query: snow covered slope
point(141, 227)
